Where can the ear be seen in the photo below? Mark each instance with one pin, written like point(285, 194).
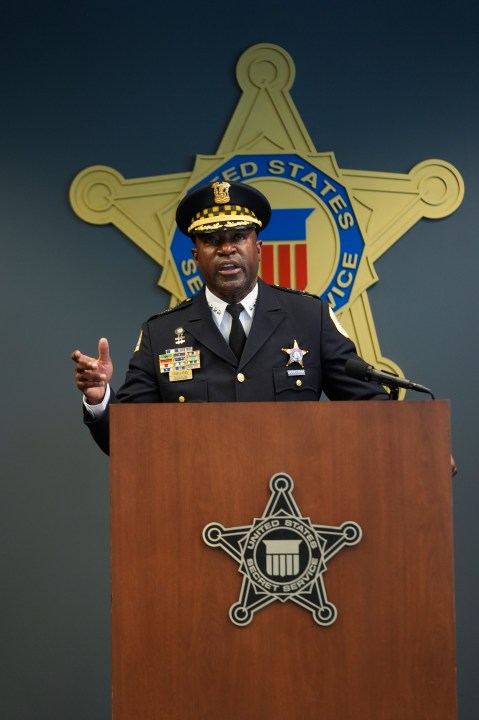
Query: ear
point(259, 245)
point(194, 252)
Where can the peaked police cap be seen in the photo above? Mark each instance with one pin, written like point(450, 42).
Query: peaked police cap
point(222, 206)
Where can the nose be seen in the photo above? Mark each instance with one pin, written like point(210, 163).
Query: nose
point(227, 247)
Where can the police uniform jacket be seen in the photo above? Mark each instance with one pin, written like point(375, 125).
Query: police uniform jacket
point(262, 374)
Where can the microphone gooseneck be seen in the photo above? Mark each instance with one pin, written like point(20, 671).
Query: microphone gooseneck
point(361, 370)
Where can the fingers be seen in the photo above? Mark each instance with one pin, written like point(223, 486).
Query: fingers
point(83, 362)
point(89, 375)
point(81, 359)
point(86, 362)
point(92, 375)
point(104, 351)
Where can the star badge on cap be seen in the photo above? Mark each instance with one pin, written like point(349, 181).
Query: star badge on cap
point(220, 190)
point(295, 354)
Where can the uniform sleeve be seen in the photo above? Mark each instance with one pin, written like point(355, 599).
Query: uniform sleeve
point(336, 349)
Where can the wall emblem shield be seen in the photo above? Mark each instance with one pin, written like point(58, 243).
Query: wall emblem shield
point(329, 224)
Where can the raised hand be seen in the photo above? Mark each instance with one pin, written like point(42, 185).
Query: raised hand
point(92, 375)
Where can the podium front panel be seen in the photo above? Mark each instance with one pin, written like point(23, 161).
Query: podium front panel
point(390, 653)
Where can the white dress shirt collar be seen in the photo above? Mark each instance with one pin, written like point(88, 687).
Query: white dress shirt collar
point(223, 319)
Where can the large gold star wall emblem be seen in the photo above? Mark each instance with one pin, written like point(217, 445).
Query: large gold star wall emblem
point(329, 224)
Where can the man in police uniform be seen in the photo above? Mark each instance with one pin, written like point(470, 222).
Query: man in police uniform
point(239, 339)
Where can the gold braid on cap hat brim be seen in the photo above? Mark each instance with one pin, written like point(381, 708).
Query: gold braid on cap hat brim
point(228, 216)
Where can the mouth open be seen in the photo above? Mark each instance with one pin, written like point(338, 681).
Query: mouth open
point(229, 269)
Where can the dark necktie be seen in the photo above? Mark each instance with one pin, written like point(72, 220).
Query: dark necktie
point(237, 337)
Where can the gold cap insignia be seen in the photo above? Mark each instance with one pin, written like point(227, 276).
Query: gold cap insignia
point(221, 191)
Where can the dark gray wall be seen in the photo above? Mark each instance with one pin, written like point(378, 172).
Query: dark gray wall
point(143, 89)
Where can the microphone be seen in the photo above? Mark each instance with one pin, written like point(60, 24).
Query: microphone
point(360, 370)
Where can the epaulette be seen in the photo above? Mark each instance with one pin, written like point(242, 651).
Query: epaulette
point(180, 306)
point(296, 292)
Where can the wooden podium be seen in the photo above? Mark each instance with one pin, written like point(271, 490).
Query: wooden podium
point(177, 655)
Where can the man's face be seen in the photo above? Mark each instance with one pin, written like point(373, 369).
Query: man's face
point(228, 261)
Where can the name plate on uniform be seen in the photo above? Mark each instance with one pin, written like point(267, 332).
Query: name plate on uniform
point(176, 375)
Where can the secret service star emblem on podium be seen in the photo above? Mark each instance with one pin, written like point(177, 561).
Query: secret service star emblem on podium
point(282, 556)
